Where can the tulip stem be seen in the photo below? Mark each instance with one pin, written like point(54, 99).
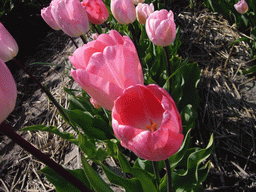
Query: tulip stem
point(73, 42)
point(7, 130)
point(154, 163)
point(169, 175)
point(83, 39)
point(96, 28)
point(46, 91)
point(168, 67)
point(133, 36)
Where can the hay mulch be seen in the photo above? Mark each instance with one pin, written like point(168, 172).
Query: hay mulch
point(227, 107)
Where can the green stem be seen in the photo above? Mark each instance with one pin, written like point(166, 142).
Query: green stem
point(73, 42)
point(133, 36)
point(169, 175)
point(46, 91)
point(154, 163)
point(96, 28)
point(168, 68)
point(7, 130)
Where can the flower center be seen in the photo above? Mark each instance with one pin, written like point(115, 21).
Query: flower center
point(152, 126)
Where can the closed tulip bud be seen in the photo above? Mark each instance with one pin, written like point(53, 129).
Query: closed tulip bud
point(241, 6)
point(46, 14)
point(96, 10)
point(161, 28)
point(123, 11)
point(146, 120)
point(8, 92)
point(8, 45)
point(106, 66)
point(143, 11)
point(71, 17)
point(136, 2)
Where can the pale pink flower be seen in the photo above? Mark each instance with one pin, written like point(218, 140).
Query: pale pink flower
point(71, 17)
point(241, 6)
point(138, 1)
point(46, 14)
point(106, 66)
point(143, 11)
point(8, 45)
point(96, 10)
point(123, 11)
point(146, 120)
point(161, 28)
point(8, 92)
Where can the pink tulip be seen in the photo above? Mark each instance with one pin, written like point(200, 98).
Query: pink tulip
point(94, 103)
point(123, 11)
point(106, 66)
point(46, 14)
point(8, 45)
point(70, 16)
point(146, 120)
point(143, 11)
point(161, 28)
point(96, 10)
point(241, 6)
point(8, 92)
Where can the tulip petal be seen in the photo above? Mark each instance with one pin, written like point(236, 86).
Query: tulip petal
point(102, 91)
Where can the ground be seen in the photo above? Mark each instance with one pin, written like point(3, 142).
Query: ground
point(227, 106)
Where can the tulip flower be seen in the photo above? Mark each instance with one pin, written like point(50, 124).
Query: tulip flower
point(241, 6)
point(96, 10)
point(106, 66)
point(136, 2)
point(161, 28)
point(123, 11)
point(46, 14)
point(70, 16)
point(94, 103)
point(146, 120)
point(8, 92)
point(143, 11)
point(8, 45)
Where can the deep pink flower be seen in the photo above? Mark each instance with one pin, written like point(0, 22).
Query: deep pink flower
point(241, 6)
point(123, 11)
point(161, 28)
point(143, 11)
point(46, 14)
point(8, 92)
point(8, 45)
point(96, 10)
point(70, 16)
point(106, 66)
point(146, 120)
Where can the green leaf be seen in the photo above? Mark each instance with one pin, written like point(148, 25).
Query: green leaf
point(52, 129)
point(125, 165)
point(147, 181)
point(87, 146)
point(130, 185)
point(94, 178)
point(60, 184)
point(188, 179)
point(251, 70)
point(112, 148)
point(188, 115)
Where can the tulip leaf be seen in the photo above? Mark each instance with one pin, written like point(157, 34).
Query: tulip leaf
point(147, 181)
point(87, 146)
point(52, 129)
point(85, 121)
point(94, 178)
point(130, 185)
point(60, 184)
point(124, 163)
point(194, 174)
point(112, 148)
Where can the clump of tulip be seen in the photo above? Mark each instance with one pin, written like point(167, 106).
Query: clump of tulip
point(161, 28)
point(241, 6)
point(9, 47)
point(8, 91)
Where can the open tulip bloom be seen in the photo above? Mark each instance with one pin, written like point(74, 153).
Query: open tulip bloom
point(107, 66)
point(146, 120)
